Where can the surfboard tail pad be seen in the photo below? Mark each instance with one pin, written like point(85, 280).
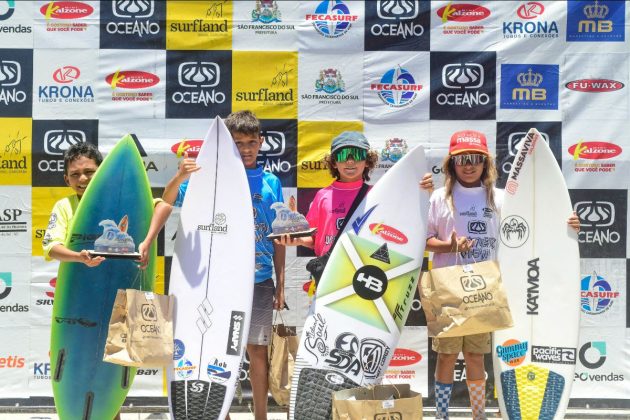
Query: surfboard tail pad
point(532, 392)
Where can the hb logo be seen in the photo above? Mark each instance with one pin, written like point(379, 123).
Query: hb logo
point(149, 313)
point(10, 73)
point(595, 213)
point(370, 282)
point(132, 9)
point(198, 74)
point(274, 143)
point(463, 76)
point(58, 141)
point(472, 283)
point(397, 9)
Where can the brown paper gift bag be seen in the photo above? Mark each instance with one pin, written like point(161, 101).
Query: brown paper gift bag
point(282, 352)
point(140, 329)
point(464, 300)
point(377, 402)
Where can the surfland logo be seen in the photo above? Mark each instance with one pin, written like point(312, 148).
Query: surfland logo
point(235, 336)
point(218, 226)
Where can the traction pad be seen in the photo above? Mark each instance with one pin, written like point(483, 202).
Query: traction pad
point(314, 393)
point(196, 400)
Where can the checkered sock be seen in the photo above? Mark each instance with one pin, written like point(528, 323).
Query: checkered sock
point(442, 398)
point(477, 392)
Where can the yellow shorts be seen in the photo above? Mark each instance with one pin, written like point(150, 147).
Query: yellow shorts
point(476, 343)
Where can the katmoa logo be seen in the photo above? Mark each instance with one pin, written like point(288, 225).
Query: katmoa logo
point(594, 85)
point(66, 10)
point(462, 12)
point(132, 79)
point(594, 150)
point(66, 74)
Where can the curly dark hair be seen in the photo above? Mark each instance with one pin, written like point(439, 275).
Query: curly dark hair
point(78, 150)
point(370, 164)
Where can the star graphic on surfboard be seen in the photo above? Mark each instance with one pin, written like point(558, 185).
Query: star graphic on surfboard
point(369, 286)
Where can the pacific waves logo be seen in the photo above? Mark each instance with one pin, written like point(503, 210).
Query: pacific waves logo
point(65, 89)
point(597, 295)
point(279, 91)
point(531, 24)
point(218, 226)
point(397, 87)
point(332, 18)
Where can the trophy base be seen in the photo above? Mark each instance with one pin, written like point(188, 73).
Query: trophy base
point(300, 234)
point(115, 255)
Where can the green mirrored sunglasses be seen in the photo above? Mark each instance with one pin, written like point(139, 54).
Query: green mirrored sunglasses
point(357, 154)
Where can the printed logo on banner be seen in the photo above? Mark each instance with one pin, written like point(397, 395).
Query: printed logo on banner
point(557, 355)
point(395, 148)
point(466, 18)
point(149, 163)
point(278, 153)
point(598, 155)
point(67, 87)
point(397, 87)
point(6, 282)
point(332, 18)
point(13, 222)
point(50, 139)
point(133, 24)
point(593, 355)
point(265, 19)
point(16, 82)
point(397, 25)
point(529, 86)
point(15, 151)
point(12, 361)
point(41, 371)
point(197, 83)
point(531, 23)
point(132, 85)
point(509, 134)
point(463, 85)
point(603, 217)
point(63, 16)
point(597, 295)
point(329, 89)
point(594, 85)
point(199, 25)
point(596, 21)
point(7, 9)
point(48, 297)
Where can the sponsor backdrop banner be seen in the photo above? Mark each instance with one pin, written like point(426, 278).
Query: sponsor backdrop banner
point(406, 72)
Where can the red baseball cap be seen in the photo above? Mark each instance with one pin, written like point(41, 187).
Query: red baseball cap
point(468, 141)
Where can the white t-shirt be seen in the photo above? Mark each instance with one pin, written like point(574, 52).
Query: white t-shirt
point(473, 218)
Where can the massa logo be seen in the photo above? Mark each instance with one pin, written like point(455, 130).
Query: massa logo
point(388, 233)
point(594, 85)
point(10, 73)
point(405, 357)
point(192, 147)
point(530, 10)
point(56, 142)
point(132, 79)
point(594, 150)
point(198, 74)
point(137, 9)
point(66, 10)
point(462, 12)
point(66, 74)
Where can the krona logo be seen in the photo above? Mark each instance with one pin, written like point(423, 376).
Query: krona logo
point(594, 150)
point(405, 357)
point(192, 147)
point(66, 10)
point(530, 10)
point(388, 233)
point(132, 79)
point(66, 74)
point(463, 12)
point(595, 85)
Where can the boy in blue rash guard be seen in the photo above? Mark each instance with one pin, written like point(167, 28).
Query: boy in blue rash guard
point(265, 189)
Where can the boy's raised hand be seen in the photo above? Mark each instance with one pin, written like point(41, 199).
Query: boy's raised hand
point(427, 182)
point(186, 167)
point(574, 222)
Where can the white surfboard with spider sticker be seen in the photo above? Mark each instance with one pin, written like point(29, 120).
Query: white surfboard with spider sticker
point(534, 361)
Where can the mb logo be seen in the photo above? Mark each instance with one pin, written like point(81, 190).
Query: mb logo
point(149, 313)
point(463, 76)
point(397, 9)
point(595, 19)
point(198, 74)
point(132, 9)
point(370, 282)
point(10, 73)
point(58, 141)
point(529, 90)
point(274, 143)
point(595, 213)
point(472, 283)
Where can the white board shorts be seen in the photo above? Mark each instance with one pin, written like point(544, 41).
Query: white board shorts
point(262, 313)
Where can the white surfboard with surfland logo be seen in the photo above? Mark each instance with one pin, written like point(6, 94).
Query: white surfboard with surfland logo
point(534, 361)
point(365, 293)
point(212, 278)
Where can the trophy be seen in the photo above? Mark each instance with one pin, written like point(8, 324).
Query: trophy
point(289, 222)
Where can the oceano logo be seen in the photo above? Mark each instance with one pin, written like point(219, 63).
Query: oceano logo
point(397, 9)
point(199, 74)
point(10, 73)
point(134, 9)
point(56, 142)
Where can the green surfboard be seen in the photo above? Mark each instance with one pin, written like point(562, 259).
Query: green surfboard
point(85, 387)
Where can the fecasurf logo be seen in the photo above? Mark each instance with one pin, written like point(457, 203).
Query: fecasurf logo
point(131, 79)
point(66, 10)
point(531, 24)
point(332, 18)
point(68, 91)
point(397, 87)
point(462, 12)
point(192, 147)
point(405, 357)
point(594, 85)
point(597, 295)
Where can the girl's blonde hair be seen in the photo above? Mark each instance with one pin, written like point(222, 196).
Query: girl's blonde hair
point(488, 178)
point(370, 163)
